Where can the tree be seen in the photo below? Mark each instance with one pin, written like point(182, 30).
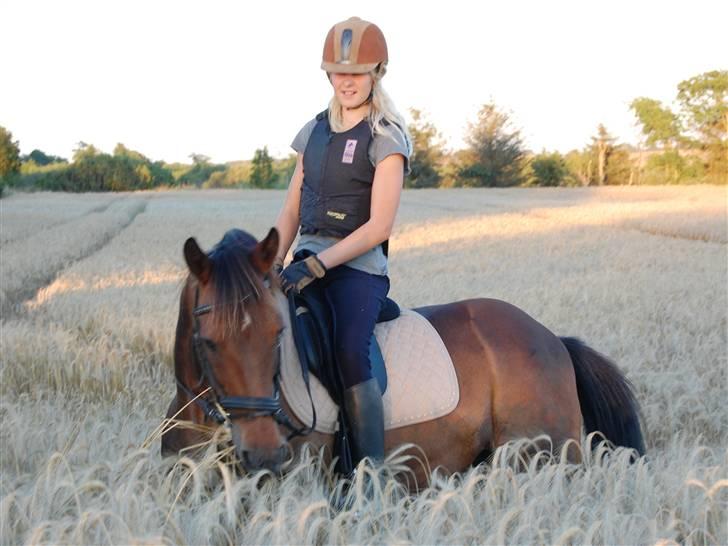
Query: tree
point(122, 151)
point(497, 150)
point(261, 172)
point(9, 155)
point(200, 171)
point(620, 169)
point(427, 153)
point(548, 170)
point(283, 170)
point(659, 125)
point(602, 146)
point(42, 159)
point(199, 159)
point(84, 150)
point(580, 166)
point(705, 114)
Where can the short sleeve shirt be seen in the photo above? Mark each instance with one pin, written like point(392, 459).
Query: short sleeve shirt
point(381, 146)
point(373, 261)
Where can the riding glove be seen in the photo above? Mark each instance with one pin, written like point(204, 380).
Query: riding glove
point(299, 275)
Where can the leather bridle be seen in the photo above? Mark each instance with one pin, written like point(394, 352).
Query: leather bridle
point(225, 409)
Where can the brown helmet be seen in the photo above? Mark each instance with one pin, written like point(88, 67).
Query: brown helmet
point(354, 46)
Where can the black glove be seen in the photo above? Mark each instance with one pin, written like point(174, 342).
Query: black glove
point(299, 275)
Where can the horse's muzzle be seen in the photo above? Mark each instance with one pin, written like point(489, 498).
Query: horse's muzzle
point(264, 459)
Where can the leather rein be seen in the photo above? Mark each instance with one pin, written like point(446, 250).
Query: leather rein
point(225, 409)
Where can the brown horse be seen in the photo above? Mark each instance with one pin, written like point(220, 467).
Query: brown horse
point(516, 378)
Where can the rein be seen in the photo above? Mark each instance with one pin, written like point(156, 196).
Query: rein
point(225, 409)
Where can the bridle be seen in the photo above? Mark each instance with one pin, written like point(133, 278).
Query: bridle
point(225, 409)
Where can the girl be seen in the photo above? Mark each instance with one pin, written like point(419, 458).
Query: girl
point(344, 195)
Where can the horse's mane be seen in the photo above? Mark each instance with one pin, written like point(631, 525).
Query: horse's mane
point(236, 281)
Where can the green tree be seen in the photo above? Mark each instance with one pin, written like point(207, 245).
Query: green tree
point(580, 166)
point(9, 156)
point(601, 148)
point(200, 171)
point(283, 170)
point(261, 172)
point(705, 114)
point(659, 125)
point(42, 159)
point(84, 150)
point(199, 159)
point(427, 154)
point(548, 169)
point(496, 148)
point(620, 169)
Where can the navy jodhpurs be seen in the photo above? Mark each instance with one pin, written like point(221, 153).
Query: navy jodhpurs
point(355, 299)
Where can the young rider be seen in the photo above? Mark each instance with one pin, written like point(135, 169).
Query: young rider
point(344, 195)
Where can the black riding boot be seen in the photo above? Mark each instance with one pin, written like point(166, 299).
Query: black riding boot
point(363, 403)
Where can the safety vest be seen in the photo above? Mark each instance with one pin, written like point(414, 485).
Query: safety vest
point(337, 179)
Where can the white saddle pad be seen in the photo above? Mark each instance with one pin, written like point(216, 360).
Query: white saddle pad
point(421, 380)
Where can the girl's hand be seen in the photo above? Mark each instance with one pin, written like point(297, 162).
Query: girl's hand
point(299, 275)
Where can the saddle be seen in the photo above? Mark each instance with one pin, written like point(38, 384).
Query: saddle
point(313, 325)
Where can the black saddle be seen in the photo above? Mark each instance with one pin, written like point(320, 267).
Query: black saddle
point(313, 325)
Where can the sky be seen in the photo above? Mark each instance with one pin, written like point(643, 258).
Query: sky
point(223, 78)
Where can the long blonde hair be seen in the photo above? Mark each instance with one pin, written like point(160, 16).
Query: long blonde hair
point(383, 114)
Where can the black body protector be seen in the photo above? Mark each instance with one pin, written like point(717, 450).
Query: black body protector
point(337, 180)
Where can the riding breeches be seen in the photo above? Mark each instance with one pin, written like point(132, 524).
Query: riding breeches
point(355, 299)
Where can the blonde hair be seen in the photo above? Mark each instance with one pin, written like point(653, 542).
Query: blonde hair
point(383, 114)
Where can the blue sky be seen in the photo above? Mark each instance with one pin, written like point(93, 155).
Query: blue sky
point(223, 78)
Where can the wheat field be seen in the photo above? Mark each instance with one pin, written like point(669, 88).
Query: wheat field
point(89, 293)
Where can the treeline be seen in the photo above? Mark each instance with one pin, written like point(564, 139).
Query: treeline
point(126, 170)
point(687, 145)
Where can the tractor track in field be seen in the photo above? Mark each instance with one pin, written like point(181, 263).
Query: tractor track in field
point(55, 225)
point(656, 232)
point(12, 306)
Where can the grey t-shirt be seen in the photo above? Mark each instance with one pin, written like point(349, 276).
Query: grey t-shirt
point(373, 261)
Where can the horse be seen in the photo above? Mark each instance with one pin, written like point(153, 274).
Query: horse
point(517, 379)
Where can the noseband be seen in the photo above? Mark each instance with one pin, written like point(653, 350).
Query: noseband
point(225, 409)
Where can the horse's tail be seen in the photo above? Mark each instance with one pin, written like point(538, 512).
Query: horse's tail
point(607, 402)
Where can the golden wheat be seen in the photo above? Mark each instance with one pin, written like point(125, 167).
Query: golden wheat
point(85, 370)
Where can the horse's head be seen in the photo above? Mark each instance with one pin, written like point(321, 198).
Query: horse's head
point(229, 314)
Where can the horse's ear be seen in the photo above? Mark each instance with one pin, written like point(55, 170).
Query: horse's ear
point(197, 261)
point(265, 251)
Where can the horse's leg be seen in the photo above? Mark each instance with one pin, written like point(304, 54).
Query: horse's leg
point(532, 377)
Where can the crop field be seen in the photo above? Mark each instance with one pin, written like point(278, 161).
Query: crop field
point(89, 288)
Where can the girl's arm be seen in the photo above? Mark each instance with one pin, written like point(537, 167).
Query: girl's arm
point(289, 219)
point(386, 192)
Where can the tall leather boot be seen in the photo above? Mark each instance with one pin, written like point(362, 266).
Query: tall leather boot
point(363, 403)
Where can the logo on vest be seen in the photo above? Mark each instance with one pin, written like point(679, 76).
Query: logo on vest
point(348, 156)
point(336, 215)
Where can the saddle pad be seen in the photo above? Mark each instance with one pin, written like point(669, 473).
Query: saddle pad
point(422, 384)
